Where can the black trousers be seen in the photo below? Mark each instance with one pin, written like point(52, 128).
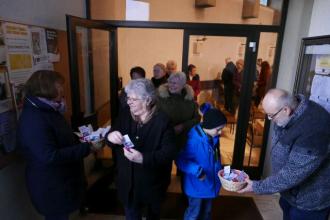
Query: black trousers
point(135, 213)
point(57, 217)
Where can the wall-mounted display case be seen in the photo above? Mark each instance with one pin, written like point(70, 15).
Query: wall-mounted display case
point(313, 72)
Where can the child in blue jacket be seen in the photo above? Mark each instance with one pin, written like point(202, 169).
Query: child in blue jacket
point(200, 162)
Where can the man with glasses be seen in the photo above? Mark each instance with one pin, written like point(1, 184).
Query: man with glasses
point(300, 156)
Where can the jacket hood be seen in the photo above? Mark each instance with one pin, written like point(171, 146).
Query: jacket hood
point(187, 92)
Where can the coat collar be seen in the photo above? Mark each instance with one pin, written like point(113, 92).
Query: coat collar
point(31, 101)
point(205, 137)
point(187, 92)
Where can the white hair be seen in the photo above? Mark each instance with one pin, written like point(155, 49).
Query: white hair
point(181, 76)
point(142, 88)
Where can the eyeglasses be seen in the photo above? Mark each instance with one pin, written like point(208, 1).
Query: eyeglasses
point(271, 117)
point(130, 99)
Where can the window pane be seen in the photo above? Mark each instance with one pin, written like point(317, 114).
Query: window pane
point(263, 78)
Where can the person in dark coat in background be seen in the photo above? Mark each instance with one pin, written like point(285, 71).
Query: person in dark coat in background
point(237, 81)
point(136, 72)
point(263, 82)
point(160, 77)
point(171, 67)
point(176, 99)
point(227, 78)
point(54, 171)
point(144, 171)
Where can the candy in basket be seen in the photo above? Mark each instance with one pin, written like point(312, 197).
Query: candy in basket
point(231, 179)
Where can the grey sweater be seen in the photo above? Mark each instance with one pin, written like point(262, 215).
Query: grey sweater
point(301, 159)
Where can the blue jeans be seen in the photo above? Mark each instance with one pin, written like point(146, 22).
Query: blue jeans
point(198, 208)
point(293, 213)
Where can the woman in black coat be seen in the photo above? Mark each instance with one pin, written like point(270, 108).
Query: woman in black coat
point(54, 172)
point(144, 171)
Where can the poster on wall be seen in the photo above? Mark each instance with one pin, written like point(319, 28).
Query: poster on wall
point(39, 48)
point(322, 65)
point(19, 52)
point(52, 45)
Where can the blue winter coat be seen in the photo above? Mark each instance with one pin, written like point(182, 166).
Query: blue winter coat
point(54, 171)
point(200, 156)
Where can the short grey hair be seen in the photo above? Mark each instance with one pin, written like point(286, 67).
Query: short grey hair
point(142, 88)
point(181, 76)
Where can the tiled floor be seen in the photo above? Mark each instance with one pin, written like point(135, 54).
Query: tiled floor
point(267, 205)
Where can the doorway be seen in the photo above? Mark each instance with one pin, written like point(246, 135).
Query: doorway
point(244, 46)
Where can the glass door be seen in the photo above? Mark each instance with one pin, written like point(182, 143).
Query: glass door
point(93, 71)
point(226, 64)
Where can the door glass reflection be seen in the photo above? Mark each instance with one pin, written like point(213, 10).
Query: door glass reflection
point(262, 83)
point(220, 66)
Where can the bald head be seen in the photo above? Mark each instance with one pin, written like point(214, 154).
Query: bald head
point(240, 65)
point(278, 98)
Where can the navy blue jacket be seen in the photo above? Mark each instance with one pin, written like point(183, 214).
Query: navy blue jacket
point(54, 172)
point(200, 156)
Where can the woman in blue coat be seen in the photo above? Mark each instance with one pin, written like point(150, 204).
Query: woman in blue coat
point(54, 171)
point(200, 162)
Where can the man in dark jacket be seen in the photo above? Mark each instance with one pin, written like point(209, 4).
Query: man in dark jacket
point(300, 156)
point(227, 78)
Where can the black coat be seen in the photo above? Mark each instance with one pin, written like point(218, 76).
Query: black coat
point(54, 172)
point(146, 182)
point(228, 75)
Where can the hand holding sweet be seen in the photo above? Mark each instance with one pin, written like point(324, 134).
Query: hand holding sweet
point(115, 137)
point(133, 155)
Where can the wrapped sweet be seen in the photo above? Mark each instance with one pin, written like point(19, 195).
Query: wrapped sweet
point(86, 134)
point(231, 179)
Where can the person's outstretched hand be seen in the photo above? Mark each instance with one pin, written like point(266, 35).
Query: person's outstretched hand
point(248, 187)
point(115, 137)
point(133, 155)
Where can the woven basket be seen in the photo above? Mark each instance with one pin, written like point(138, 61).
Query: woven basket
point(231, 185)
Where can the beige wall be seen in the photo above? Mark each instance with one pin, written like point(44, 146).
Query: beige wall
point(146, 47)
point(213, 52)
point(50, 13)
point(100, 50)
point(108, 9)
point(267, 44)
point(226, 11)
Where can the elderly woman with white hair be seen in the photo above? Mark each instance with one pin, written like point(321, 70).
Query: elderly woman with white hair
point(144, 170)
point(176, 99)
